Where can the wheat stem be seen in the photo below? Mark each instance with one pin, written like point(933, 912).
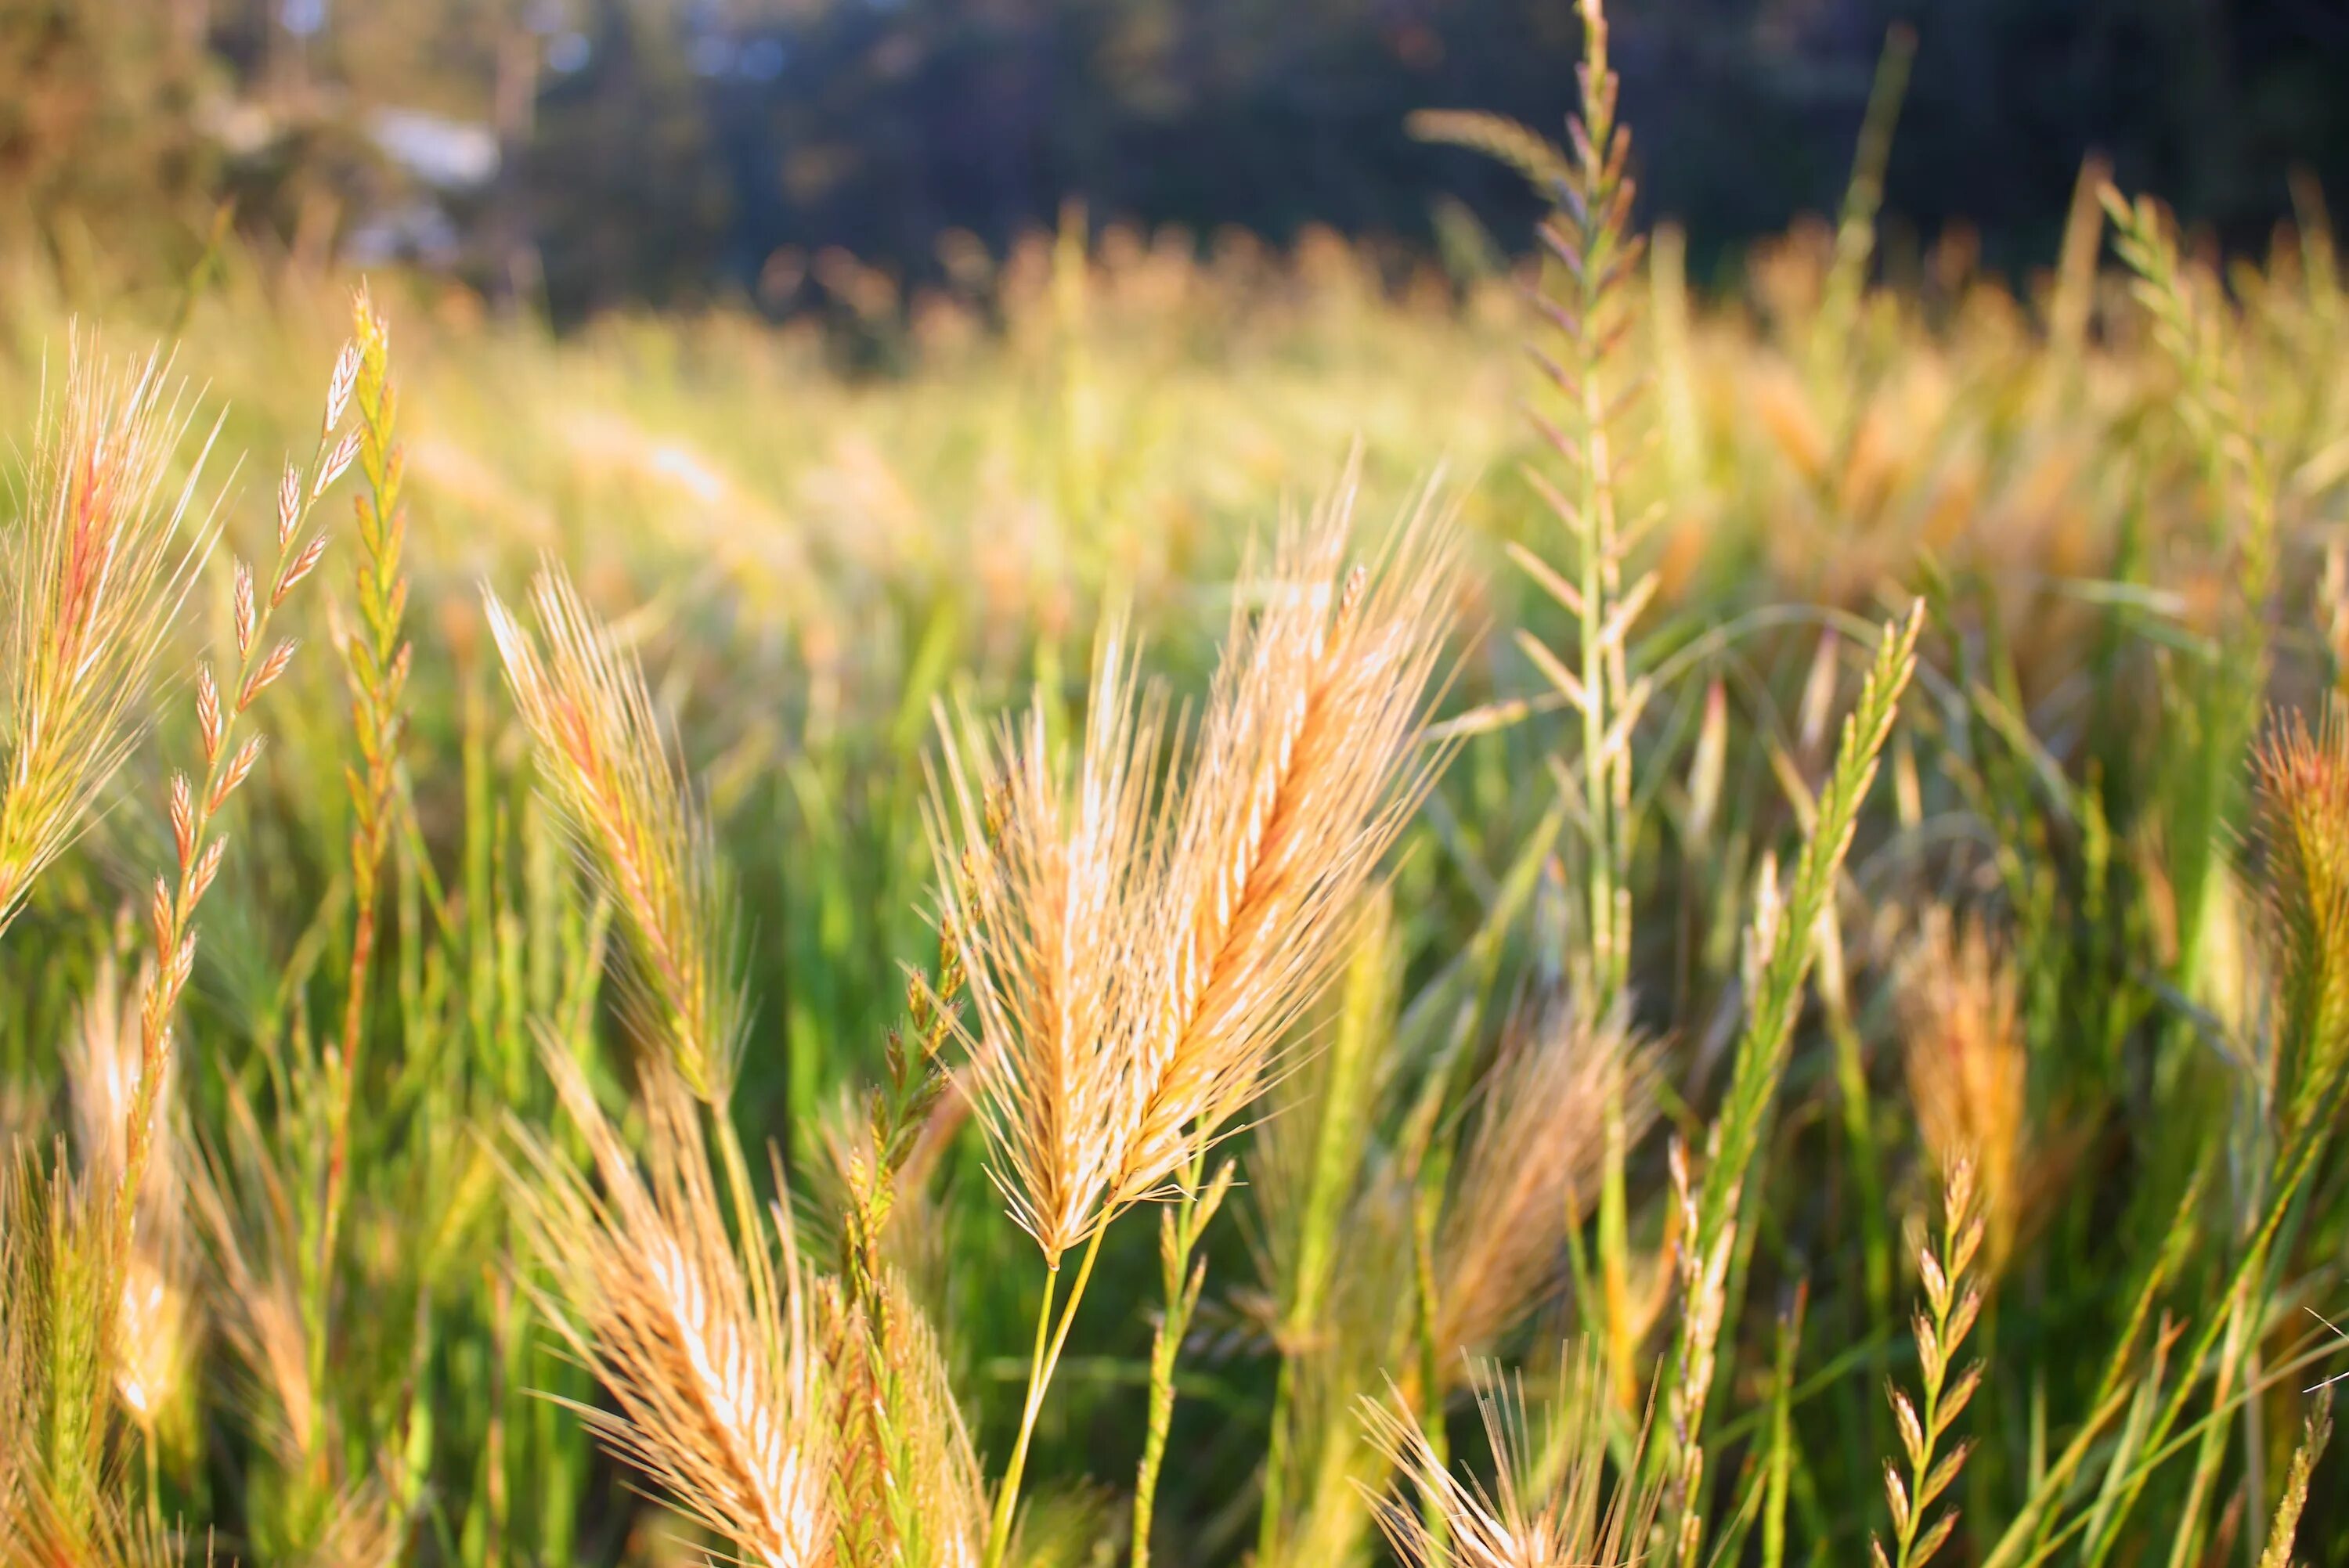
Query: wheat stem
point(1041, 1366)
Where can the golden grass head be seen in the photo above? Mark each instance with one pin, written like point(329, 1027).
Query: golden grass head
point(1574, 1516)
point(1535, 1165)
point(155, 1336)
point(724, 1411)
point(1138, 953)
point(610, 767)
point(1310, 764)
point(1055, 883)
point(2301, 788)
point(97, 568)
point(1968, 1069)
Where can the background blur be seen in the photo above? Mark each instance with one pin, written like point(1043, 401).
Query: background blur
point(580, 154)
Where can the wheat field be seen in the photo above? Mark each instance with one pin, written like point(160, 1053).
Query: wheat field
point(1190, 903)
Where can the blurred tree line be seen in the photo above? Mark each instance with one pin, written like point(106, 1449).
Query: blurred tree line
point(664, 150)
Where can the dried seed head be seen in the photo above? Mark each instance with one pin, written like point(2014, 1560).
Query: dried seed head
point(1535, 1164)
point(338, 388)
point(241, 599)
point(1137, 955)
point(207, 714)
point(611, 771)
point(1556, 1501)
point(1958, 1004)
point(723, 1411)
point(299, 567)
point(289, 504)
point(337, 461)
point(90, 579)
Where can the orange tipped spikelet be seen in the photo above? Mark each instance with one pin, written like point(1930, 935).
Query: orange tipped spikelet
point(97, 568)
point(721, 1408)
point(610, 768)
point(1138, 953)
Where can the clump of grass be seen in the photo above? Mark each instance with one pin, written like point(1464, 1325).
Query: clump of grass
point(88, 1304)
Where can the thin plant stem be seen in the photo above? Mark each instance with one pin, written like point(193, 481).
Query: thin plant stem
point(1047, 1356)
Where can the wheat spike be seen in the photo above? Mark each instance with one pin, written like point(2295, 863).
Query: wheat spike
point(1048, 925)
point(96, 572)
point(720, 1409)
point(1309, 765)
point(1535, 1165)
point(1574, 1518)
point(1137, 957)
point(611, 769)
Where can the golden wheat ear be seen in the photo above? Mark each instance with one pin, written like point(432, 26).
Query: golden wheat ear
point(1552, 1499)
point(96, 572)
point(610, 767)
point(1311, 759)
point(718, 1403)
point(1538, 1153)
point(1048, 879)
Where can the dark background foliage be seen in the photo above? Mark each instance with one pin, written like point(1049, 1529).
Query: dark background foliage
point(666, 151)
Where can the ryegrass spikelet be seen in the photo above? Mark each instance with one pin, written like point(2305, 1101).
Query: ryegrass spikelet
point(1552, 1503)
point(608, 765)
point(95, 571)
point(1952, 1300)
point(722, 1409)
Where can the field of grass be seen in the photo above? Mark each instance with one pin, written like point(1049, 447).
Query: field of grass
point(1072, 917)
